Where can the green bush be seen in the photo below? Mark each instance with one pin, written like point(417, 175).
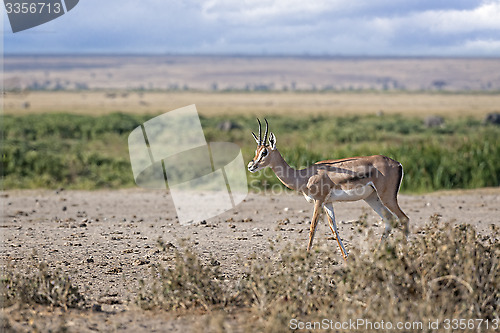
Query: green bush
point(77, 151)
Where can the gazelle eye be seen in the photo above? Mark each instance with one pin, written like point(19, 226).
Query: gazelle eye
point(264, 152)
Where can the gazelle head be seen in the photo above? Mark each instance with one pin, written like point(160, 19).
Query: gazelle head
point(265, 151)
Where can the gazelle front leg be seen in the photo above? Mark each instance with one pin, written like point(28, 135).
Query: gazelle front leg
point(333, 227)
point(314, 222)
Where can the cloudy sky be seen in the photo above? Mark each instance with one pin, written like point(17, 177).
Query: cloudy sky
point(268, 27)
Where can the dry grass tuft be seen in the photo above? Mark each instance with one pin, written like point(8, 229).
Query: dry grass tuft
point(188, 284)
point(39, 286)
point(444, 271)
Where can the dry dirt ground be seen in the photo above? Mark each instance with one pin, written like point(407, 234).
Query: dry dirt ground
point(107, 241)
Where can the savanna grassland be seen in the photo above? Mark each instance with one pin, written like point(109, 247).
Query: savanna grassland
point(50, 150)
point(342, 103)
point(84, 250)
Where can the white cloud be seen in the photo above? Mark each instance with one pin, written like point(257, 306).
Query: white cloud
point(484, 17)
point(264, 10)
point(489, 46)
point(383, 27)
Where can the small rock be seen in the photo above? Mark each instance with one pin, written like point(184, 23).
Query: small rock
point(284, 222)
point(492, 118)
point(433, 121)
point(227, 125)
point(140, 262)
point(114, 270)
point(97, 308)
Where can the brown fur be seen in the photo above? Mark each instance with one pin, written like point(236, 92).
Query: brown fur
point(320, 179)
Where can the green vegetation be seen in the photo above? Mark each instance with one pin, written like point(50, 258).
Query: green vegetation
point(86, 152)
point(63, 150)
point(444, 272)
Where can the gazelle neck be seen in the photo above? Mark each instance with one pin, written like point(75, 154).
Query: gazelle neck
point(292, 178)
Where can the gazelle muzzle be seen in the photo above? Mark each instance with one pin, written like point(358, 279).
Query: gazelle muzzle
point(252, 167)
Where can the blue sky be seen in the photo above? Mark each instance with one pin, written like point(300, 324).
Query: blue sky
point(268, 27)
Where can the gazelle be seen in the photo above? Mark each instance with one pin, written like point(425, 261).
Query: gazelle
point(375, 179)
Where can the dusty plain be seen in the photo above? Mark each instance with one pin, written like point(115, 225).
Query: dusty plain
point(106, 241)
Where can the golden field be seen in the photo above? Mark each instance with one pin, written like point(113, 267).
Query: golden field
point(254, 103)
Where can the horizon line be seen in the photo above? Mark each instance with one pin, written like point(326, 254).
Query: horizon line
point(245, 55)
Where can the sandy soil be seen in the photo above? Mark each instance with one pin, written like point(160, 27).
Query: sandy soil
point(107, 240)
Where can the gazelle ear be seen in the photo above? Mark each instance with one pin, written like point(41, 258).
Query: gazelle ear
point(272, 141)
point(255, 137)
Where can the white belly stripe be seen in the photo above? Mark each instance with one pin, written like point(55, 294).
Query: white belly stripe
point(357, 193)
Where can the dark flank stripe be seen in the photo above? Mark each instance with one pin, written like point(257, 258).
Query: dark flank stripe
point(354, 178)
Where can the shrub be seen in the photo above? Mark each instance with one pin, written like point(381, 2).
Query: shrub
point(76, 151)
point(443, 272)
point(188, 284)
point(40, 286)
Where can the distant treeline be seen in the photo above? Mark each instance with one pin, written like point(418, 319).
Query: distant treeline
point(250, 73)
point(380, 85)
point(86, 152)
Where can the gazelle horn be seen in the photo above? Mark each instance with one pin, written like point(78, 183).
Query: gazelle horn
point(255, 137)
point(260, 132)
point(267, 131)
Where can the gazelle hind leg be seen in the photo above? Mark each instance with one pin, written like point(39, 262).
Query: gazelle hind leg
point(314, 223)
point(390, 200)
point(333, 227)
point(374, 201)
point(392, 205)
